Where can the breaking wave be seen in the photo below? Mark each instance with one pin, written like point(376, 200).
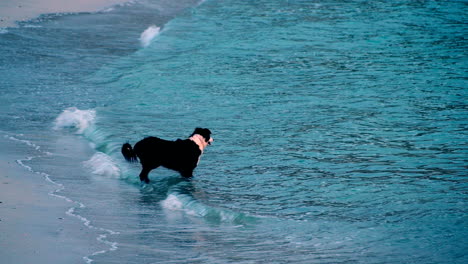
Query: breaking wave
point(102, 164)
point(75, 118)
point(148, 35)
point(189, 205)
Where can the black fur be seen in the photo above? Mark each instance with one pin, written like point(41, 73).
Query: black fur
point(127, 152)
point(180, 155)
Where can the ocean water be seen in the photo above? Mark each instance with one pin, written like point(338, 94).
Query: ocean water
point(340, 127)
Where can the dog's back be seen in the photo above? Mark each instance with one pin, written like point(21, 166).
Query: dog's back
point(176, 155)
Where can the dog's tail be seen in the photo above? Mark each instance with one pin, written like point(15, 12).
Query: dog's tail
point(128, 153)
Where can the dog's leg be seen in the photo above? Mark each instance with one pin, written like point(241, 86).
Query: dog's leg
point(186, 173)
point(144, 174)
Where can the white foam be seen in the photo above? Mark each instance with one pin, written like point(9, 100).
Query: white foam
point(32, 26)
point(178, 202)
point(75, 118)
point(172, 202)
point(102, 164)
point(27, 142)
point(107, 10)
point(148, 35)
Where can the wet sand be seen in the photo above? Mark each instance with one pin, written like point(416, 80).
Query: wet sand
point(34, 226)
point(12, 11)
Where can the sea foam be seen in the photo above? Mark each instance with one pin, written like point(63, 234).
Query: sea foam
point(172, 202)
point(148, 35)
point(192, 207)
point(75, 118)
point(102, 164)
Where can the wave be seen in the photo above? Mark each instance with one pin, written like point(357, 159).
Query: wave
point(75, 118)
point(83, 121)
point(102, 164)
point(185, 203)
point(148, 35)
point(124, 4)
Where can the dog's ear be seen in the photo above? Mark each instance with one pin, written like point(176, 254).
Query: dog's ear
point(204, 132)
point(197, 131)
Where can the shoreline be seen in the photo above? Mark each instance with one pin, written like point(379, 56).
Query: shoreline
point(34, 225)
point(13, 11)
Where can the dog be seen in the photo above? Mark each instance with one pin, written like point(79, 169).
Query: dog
point(179, 155)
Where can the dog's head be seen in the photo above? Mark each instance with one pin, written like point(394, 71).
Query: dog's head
point(205, 133)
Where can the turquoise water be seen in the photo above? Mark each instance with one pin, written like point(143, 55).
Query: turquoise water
point(340, 127)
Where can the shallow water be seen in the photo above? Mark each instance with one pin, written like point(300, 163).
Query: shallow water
point(339, 127)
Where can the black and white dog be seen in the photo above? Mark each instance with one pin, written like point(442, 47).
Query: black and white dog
point(180, 155)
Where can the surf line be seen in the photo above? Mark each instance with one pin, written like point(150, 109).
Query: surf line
point(102, 238)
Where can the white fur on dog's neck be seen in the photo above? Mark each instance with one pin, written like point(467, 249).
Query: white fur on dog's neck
point(200, 141)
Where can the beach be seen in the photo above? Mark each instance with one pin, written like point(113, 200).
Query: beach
point(34, 226)
point(12, 11)
point(35, 223)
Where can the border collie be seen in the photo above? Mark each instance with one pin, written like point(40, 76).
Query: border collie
point(180, 155)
